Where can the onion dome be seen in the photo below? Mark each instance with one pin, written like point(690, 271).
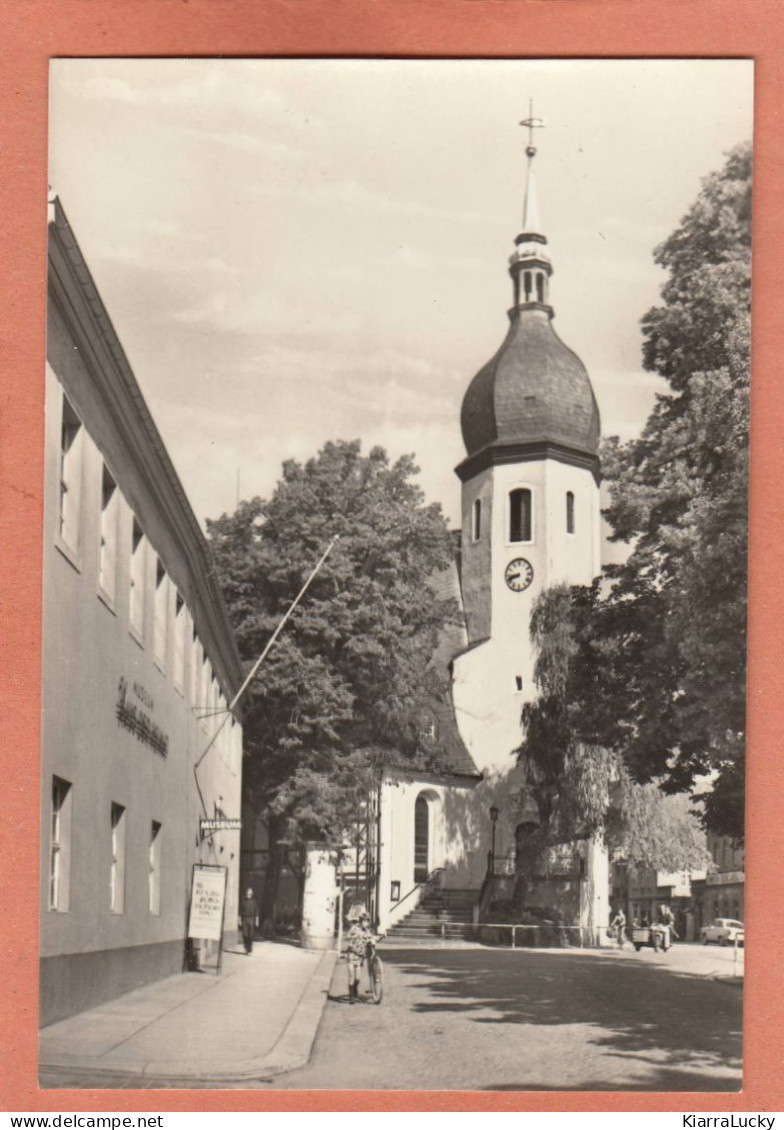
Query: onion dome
point(534, 398)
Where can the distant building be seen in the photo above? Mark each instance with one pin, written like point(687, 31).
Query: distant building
point(138, 665)
point(722, 894)
point(643, 891)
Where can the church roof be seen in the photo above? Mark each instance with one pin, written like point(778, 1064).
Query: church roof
point(535, 393)
point(439, 733)
point(457, 761)
point(535, 389)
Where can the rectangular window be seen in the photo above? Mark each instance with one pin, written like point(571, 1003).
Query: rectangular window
point(220, 706)
point(179, 642)
point(117, 873)
point(60, 846)
point(137, 580)
point(213, 704)
point(107, 562)
point(161, 614)
point(155, 868)
point(520, 515)
point(233, 758)
point(71, 444)
point(195, 668)
point(204, 693)
point(569, 512)
point(476, 523)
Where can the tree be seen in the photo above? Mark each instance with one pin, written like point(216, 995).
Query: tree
point(675, 675)
point(649, 830)
point(582, 787)
point(336, 699)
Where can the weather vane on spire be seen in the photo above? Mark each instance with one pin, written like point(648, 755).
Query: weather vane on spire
point(531, 123)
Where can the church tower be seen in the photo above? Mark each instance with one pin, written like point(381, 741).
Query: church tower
point(530, 496)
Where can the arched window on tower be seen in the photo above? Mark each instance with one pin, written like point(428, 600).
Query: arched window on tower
point(520, 513)
point(569, 512)
point(527, 286)
point(476, 520)
point(539, 287)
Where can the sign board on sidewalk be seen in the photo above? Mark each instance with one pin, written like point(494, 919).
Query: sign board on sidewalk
point(208, 897)
point(220, 825)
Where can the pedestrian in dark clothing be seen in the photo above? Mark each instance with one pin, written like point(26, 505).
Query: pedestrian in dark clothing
point(249, 919)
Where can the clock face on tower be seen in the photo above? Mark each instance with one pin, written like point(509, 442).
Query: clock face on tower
point(519, 574)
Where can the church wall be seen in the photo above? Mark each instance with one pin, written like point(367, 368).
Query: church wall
point(467, 824)
point(555, 555)
point(494, 680)
point(595, 891)
point(448, 843)
point(487, 705)
point(477, 556)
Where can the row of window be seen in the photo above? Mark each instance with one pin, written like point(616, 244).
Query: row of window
point(725, 854)
point(169, 616)
point(60, 854)
point(520, 526)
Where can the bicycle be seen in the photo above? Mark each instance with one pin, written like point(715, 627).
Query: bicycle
point(375, 972)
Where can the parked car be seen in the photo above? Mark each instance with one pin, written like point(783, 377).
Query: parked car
point(724, 931)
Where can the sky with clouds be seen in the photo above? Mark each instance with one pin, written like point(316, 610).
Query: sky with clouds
point(294, 251)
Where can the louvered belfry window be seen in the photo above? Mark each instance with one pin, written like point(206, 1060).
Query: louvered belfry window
point(520, 515)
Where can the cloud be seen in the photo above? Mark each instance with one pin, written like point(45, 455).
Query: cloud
point(625, 400)
point(351, 193)
point(228, 102)
point(379, 383)
point(168, 85)
point(421, 259)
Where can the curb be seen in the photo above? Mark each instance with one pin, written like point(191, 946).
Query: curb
point(291, 1050)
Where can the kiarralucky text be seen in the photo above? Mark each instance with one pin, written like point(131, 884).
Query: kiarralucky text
point(720, 1121)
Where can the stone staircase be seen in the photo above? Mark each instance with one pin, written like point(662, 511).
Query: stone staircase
point(454, 906)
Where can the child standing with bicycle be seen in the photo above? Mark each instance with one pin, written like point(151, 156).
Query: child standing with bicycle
point(357, 943)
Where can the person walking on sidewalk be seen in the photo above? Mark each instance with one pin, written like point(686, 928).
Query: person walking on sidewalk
point(249, 919)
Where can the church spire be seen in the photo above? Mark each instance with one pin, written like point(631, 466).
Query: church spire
point(530, 265)
point(531, 203)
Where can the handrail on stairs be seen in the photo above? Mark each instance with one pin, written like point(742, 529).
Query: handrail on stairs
point(422, 883)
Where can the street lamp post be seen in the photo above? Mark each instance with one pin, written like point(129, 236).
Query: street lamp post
point(493, 819)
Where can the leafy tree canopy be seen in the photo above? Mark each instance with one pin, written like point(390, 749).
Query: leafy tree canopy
point(673, 625)
point(336, 697)
point(580, 785)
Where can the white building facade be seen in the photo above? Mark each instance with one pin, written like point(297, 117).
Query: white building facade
point(139, 663)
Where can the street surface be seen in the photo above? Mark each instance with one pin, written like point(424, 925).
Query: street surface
point(493, 1019)
point(476, 1018)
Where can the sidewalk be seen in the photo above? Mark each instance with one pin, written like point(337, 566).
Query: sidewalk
point(257, 1020)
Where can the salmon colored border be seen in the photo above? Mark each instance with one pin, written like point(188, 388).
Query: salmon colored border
point(35, 30)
